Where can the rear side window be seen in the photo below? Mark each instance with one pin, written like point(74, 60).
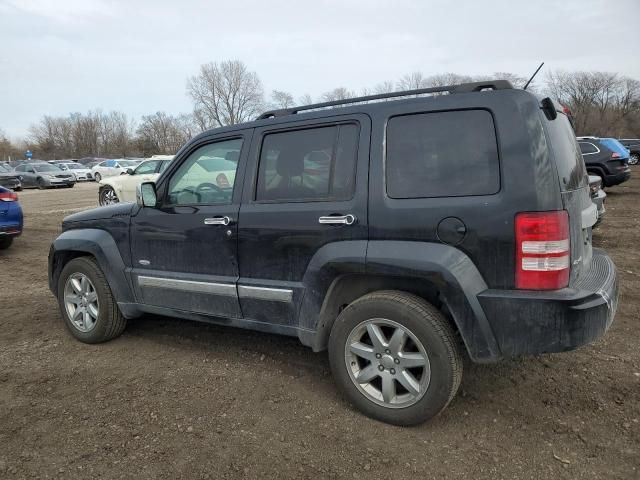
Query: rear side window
point(311, 164)
point(567, 154)
point(586, 148)
point(442, 154)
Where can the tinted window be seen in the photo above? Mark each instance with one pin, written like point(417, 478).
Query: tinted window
point(444, 154)
point(586, 147)
point(46, 168)
point(311, 164)
point(207, 176)
point(20, 168)
point(567, 154)
point(4, 169)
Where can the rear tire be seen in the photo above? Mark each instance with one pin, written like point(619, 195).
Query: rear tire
point(103, 320)
point(634, 158)
point(5, 242)
point(427, 336)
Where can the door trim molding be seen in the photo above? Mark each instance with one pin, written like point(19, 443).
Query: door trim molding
point(265, 293)
point(226, 289)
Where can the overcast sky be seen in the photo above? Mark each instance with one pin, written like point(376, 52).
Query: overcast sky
point(61, 56)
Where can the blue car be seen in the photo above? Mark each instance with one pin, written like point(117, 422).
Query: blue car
point(10, 217)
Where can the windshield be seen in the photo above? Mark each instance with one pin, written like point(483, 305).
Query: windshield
point(4, 169)
point(46, 168)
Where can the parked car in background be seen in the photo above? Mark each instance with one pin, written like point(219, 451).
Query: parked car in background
point(633, 145)
point(10, 217)
point(123, 187)
point(598, 196)
point(44, 175)
point(81, 172)
point(606, 158)
point(9, 179)
point(111, 168)
point(402, 235)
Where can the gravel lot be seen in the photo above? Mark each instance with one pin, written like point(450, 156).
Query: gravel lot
point(175, 399)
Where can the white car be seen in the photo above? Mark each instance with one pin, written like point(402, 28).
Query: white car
point(81, 172)
point(112, 168)
point(123, 187)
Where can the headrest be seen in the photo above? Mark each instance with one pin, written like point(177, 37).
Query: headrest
point(232, 155)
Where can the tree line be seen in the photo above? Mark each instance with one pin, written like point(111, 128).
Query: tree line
point(227, 93)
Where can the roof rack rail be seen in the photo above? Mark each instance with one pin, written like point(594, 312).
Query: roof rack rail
point(462, 88)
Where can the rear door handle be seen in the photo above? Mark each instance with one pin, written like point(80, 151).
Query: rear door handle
point(217, 221)
point(338, 219)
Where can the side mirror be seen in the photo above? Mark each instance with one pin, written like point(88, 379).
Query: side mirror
point(129, 171)
point(146, 194)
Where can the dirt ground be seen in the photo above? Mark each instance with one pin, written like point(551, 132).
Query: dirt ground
point(176, 399)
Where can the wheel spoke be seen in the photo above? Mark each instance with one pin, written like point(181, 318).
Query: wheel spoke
point(363, 351)
point(388, 388)
point(367, 374)
point(83, 284)
point(396, 344)
point(75, 283)
point(93, 311)
point(75, 299)
point(377, 337)
point(411, 360)
point(77, 314)
point(86, 319)
point(92, 297)
point(408, 381)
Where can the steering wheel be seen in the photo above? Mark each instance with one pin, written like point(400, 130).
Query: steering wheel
point(207, 187)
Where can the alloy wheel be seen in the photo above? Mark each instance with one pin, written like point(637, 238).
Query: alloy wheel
point(387, 363)
point(634, 158)
point(81, 302)
point(109, 197)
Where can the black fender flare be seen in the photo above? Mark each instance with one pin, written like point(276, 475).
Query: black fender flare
point(100, 245)
point(445, 268)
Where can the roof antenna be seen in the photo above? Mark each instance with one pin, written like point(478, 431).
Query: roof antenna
point(533, 76)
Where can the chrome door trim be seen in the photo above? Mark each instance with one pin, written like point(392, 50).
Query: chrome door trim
point(225, 289)
point(265, 293)
point(337, 219)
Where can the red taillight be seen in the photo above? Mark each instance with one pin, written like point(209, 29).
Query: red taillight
point(615, 155)
point(8, 197)
point(542, 250)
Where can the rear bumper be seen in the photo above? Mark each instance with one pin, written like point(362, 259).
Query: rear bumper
point(599, 200)
point(533, 322)
point(616, 178)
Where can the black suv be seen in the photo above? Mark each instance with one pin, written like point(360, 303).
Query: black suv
point(398, 234)
point(606, 158)
point(633, 145)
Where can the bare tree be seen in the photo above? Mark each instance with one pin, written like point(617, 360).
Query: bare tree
point(161, 133)
point(281, 99)
point(226, 93)
point(305, 99)
point(412, 81)
point(340, 93)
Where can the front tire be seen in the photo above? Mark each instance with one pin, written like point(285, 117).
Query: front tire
point(41, 184)
point(5, 242)
point(98, 177)
point(86, 303)
point(108, 196)
point(395, 357)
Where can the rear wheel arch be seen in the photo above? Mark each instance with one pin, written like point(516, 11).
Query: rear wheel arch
point(346, 289)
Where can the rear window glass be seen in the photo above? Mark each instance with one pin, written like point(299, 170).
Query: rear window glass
point(616, 146)
point(442, 154)
point(567, 154)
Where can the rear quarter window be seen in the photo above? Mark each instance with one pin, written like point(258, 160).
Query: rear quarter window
point(566, 152)
point(442, 154)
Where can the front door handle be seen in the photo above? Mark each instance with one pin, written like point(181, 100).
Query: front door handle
point(217, 221)
point(338, 219)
